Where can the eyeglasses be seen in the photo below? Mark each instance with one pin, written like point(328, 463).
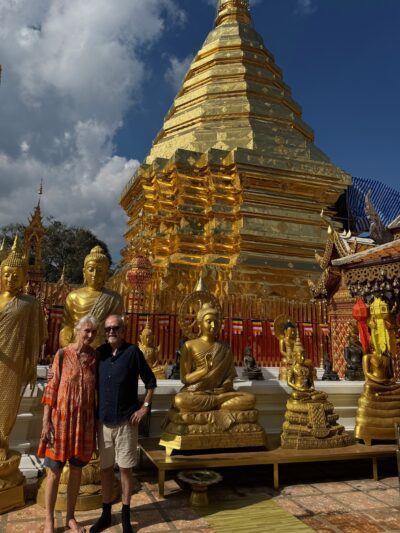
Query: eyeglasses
point(108, 329)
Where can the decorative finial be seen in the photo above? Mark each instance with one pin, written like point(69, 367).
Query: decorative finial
point(40, 191)
point(16, 247)
point(3, 245)
point(201, 285)
point(233, 11)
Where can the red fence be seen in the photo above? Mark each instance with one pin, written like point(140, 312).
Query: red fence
point(237, 332)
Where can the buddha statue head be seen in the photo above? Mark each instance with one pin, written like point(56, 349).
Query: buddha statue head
point(209, 320)
point(13, 270)
point(95, 268)
point(147, 336)
point(289, 331)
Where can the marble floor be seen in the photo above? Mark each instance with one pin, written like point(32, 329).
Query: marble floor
point(336, 497)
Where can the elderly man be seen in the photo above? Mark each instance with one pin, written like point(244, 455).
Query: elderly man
point(119, 412)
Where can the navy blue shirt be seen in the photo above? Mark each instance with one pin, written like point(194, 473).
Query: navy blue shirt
point(117, 382)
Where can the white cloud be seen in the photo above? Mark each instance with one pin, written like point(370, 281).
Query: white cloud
point(305, 7)
point(177, 70)
point(71, 69)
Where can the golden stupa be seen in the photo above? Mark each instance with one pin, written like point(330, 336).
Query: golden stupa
point(233, 181)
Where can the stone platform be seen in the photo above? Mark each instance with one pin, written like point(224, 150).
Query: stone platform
point(271, 394)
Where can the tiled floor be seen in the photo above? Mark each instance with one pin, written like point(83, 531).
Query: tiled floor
point(325, 498)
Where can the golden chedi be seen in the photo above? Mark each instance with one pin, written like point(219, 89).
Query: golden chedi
point(151, 351)
point(208, 413)
point(22, 334)
point(92, 299)
point(310, 421)
point(379, 404)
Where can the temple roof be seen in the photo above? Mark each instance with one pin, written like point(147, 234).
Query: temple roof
point(385, 199)
point(387, 251)
point(233, 96)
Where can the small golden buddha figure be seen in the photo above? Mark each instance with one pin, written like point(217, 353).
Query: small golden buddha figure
point(310, 421)
point(286, 346)
point(379, 405)
point(92, 299)
point(151, 351)
point(382, 324)
point(22, 334)
point(207, 412)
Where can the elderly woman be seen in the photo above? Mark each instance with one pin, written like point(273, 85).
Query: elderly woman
point(68, 432)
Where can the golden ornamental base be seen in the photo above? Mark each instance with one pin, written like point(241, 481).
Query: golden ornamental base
point(12, 498)
point(212, 441)
point(368, 433)
point(302, 442)
point(11, 483)
point(89, 497)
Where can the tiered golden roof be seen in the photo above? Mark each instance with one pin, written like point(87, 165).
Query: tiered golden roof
point(234, 180)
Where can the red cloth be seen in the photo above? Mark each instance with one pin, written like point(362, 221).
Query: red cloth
point(72, 399)
point(361, 313)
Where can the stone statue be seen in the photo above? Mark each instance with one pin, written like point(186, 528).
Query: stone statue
point(22, 334)
point(92, 299)
point(151, 351)
point(310, 421)
point(329, 374)
point(353, 355)
point(379, 404)
point(208, 412)
point(250, 368)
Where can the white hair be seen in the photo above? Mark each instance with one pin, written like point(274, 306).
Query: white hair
point(88, 319)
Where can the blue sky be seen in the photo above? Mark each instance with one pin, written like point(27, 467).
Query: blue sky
point(86, 86)
point(340, 57)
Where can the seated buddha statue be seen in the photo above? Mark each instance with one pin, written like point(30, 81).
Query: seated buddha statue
point(379, 404)
point(250, 369)
point(150, 351)
point(286, 345)
point(208, 412)
point(310, 421)
point(91, 299)
point(353, 355)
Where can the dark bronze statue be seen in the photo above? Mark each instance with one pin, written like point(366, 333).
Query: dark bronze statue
point(353, 355)
point(329, 374)
point(250, 368)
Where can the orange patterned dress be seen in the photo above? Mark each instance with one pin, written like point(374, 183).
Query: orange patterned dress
point(72, 399)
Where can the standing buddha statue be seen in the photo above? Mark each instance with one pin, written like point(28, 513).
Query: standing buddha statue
point(151, 351)
point(383, 326)
point(22, 334)
point(379, 404)
point(208, 412)
point(92, 299)
point(310, 421)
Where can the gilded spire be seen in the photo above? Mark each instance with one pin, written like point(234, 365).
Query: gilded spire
point(233, 10)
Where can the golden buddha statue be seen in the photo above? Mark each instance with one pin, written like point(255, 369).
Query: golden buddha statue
point(382, 324)
point(151, 351)
point(310, 421)
point(379, 404)
point(207, 412)
point(92, 299)
point(22, 334)
point(287, 337)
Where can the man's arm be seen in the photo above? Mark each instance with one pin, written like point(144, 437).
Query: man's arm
point(150, 382)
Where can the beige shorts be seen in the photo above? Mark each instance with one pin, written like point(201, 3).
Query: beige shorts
point(117, 444)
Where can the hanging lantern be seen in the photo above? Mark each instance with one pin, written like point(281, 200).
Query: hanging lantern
point(140, 272)
point(361, 313)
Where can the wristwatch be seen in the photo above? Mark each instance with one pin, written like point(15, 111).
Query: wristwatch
point(146, 404)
